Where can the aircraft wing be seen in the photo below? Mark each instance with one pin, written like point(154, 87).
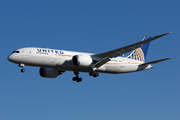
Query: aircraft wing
point(103, 58)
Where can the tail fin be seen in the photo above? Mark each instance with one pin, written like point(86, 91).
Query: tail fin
point(141, 52)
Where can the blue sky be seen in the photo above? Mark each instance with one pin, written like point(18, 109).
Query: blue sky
point(90, 26)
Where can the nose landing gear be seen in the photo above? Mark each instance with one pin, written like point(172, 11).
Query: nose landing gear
point(22, 65)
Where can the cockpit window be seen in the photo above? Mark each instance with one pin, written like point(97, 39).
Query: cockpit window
point(15, 52)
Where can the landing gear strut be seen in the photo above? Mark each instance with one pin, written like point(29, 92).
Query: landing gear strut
point(22, 65)
point(77, 78)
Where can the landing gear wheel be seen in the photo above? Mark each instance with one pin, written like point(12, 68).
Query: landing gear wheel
point(75, 78)
point(79, 80)
point(90, 74)
point(96, 74)
point(22, 70)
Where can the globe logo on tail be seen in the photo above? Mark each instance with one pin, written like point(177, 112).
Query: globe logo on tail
point(137, 54)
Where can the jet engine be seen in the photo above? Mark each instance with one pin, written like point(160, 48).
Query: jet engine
point(82, 60)
point(49, 72)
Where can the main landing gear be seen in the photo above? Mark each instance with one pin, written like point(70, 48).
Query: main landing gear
point(77, 78)
point(22, 65)
point(94, 74)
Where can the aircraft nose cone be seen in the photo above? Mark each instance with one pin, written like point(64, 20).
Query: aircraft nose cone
point(10, 58)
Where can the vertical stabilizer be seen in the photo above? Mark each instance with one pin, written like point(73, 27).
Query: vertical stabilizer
point(141, 52)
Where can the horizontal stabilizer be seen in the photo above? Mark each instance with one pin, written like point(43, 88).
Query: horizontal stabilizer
point(153, 62)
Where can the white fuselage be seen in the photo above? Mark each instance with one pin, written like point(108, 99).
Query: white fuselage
point(61, 60)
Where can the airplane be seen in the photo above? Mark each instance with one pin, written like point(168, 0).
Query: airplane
point(53, 62)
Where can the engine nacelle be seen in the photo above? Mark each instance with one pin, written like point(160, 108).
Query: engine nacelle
point(82, 60)
point(48, 72)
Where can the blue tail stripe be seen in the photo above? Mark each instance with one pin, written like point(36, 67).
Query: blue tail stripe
point(145, 46)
